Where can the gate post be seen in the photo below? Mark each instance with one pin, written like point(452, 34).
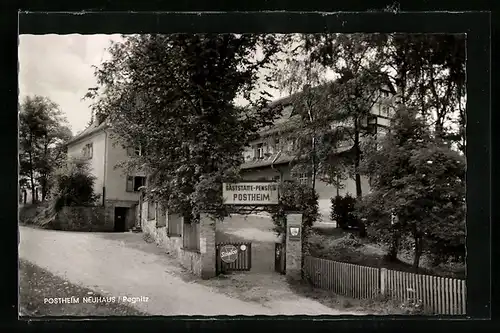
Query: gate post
point(207, 246)
point(293, 248)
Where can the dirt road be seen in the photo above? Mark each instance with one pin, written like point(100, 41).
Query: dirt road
point(109, 266)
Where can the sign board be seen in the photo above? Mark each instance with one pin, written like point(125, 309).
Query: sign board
point(294, 232)
point(228, 253)
point(250, 193)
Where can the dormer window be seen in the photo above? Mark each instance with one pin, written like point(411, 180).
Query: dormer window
point(291, 144)
point(137, 150)
point(260, 151)
point(277, 145)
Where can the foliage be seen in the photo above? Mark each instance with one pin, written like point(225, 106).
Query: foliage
point(342, 211)
point(349, 241)
point(427, 70)
point(174, 95)
point(420, 179)
point(346, 102)
point(431, 70)
point(296, 197)
point(42, 134)
point(75, 185)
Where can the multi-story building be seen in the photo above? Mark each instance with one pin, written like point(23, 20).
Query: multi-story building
point(271, 157)
point(119, 192)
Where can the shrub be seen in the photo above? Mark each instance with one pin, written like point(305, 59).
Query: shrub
point(75, 186)
point(349, 241)
point(343, 211)
point(296, 197)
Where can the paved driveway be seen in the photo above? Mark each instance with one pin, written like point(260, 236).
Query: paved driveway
point(106, 264)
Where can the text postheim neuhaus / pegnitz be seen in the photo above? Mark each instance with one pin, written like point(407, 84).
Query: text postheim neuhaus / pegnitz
point(95, 299)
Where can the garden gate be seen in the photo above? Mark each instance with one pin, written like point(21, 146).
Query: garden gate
point(242, 262)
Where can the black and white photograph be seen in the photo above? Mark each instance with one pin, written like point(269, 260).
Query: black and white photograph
point(242, 174)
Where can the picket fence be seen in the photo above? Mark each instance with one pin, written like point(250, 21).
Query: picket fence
point(438, 295)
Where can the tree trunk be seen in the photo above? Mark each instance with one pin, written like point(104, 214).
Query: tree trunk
point(314, 164)
point(357, 160)
point(32, 179)
point(45, 176)
point(43, 186)
point(392, 256)
point(25, 195)
point(418, 249)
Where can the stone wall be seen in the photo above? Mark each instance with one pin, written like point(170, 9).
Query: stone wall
point(293, 247)
point(82, 219)
point(29, 212)
point(207, 246)
point(191, 260)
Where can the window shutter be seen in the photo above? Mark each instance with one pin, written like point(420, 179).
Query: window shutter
point(130, 184)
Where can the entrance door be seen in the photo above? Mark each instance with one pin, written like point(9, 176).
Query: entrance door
point(120, 218)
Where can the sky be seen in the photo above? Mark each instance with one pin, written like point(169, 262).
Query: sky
point(60, 67)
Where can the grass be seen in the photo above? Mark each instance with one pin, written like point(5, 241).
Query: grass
point(37, 284)
point(377, 306)
point(343, 245)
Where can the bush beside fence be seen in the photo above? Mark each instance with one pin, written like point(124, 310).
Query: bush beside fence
point(438, 295)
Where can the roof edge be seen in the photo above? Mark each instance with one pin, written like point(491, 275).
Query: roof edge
point(79, 138)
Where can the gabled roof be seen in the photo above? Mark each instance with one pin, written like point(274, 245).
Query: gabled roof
point(273, 159)
point(93, 128)
point(289, 120)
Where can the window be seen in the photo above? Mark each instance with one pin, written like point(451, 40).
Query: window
point(260, 151)
point(384, 110)
point(138, 150)
point(151, 210)
point(291, 144)
point(135, 151)
point(134, 183)
point(372, 125)
point(302, 177)
point(277, 145)
point(87, 151)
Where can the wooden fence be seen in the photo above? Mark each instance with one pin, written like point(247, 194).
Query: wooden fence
point(438, 295)
point(191, 236)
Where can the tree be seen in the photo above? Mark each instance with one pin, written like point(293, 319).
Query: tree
point(345, 103)
point(304, 81)
point(74, 185)
point(430, 76)
point(350, 99)
point(174, 96)
point(427, 70)
point(422, 180)
point(42, 132)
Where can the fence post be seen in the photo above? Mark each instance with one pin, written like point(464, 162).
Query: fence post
point(383, 280)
